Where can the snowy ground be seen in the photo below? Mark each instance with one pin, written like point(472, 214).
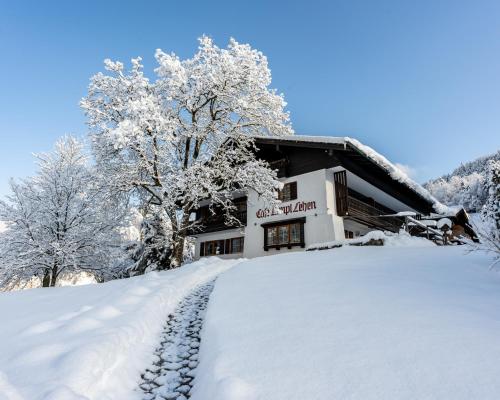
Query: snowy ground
point(354, 323)
point(391, 322)
point(92, 341)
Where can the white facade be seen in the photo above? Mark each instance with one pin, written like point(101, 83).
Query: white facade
point(315, 202)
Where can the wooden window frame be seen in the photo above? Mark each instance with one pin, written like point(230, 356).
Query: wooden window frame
point(227, 246)
point(287, 222)
point(231, 245)
point(292, 190)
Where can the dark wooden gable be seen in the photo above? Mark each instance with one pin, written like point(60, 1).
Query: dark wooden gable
point(292, 158)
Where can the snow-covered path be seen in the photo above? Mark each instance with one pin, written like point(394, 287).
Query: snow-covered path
point(171, 375)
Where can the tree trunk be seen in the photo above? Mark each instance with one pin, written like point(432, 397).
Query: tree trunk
point(178, 251)
point(53, 276)
point(46, 278)
point(179, 239)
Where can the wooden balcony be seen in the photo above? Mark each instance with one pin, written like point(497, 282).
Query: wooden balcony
point(214, 220)
point(354, 205)
point(371, 216)
point(217, 222)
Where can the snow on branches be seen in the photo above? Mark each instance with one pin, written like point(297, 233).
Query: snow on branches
point(59, 221)
point(489, 226)
point(491, 210)
point(186, 137)
point(466, 191)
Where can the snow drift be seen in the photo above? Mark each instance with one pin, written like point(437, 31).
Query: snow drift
point(400, 239)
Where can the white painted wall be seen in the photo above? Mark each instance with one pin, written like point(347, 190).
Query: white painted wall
point(321, 222)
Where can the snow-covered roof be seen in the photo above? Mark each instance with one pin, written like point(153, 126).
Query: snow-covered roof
point(308, 139)
point(394, 172)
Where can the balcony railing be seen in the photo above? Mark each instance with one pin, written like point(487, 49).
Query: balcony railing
point(371, 216)
point(354, 205)
point(217, 222)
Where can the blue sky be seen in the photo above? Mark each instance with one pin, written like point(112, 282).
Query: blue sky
point(418, 81)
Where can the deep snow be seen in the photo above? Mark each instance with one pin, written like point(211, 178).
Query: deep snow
point(91, 341)
point(392, 322)
point(354, 323)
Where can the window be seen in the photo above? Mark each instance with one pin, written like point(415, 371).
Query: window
point(220, 247)
point(213, 248)
point(284, 234)
point(284, 231)
point(348, 234)
point(241, 211)
point(295, 233)
point(272, 236)
point(289, 192)
point(237, 245)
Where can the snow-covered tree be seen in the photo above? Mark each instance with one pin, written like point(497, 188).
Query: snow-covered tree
point(187, 136)
point(153, 248)
point(465, 186)
point(59, 221)
point(467, 191)
point(491, 210)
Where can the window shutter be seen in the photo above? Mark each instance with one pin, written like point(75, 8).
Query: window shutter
point(228, 246)
point(302, 236)
point(293, 190)
point(202, 249)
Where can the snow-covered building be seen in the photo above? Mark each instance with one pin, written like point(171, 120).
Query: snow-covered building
point(334, 188)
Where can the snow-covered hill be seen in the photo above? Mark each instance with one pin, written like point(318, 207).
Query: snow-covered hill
point(464, 186)
point(348, 323)
point(354, 323)
point(91, 341)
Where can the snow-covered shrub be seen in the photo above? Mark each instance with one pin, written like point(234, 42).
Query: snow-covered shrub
point(186, 137)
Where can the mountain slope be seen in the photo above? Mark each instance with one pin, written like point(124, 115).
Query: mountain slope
point(465, 186)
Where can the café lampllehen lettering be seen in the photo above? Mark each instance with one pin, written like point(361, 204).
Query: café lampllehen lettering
point(287, 209)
